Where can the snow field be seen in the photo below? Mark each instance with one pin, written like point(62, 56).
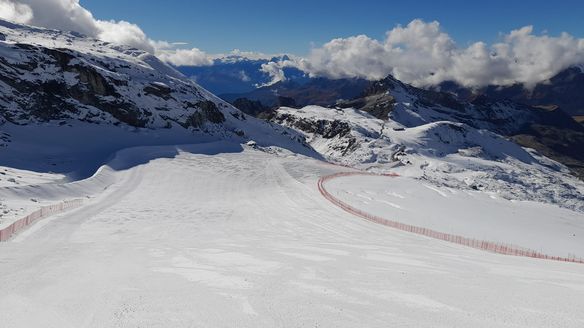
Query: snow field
point(501, 248)
point(240, 237)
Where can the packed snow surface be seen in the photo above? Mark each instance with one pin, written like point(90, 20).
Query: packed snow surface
point(223, 235)
point(541, 227)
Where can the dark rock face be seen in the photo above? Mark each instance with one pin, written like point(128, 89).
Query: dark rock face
point(378, 105)
point(75, 77)
point(53, 99)
point(251, 107)
point(326, 128)
point(208, 113)
point(158, 90)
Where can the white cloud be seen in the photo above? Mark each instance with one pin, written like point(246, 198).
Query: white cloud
point(185, 57)
point(274, 70)
point(243, 76)
point(125, 33)
point(69, 15)
point(65, 15)
point(422, 54)
point(357, 56)
point(16, 12)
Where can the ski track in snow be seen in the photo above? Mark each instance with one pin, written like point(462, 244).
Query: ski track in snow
point(245, 239)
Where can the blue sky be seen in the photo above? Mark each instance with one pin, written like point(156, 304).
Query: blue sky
point(292, 26)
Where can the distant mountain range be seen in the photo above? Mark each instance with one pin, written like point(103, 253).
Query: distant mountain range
point(564, 90)
point(237, 74)
point(233, 77)
point(314, 91)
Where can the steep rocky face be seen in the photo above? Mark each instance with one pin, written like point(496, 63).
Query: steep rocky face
point(392, 98)
point(331, 133)
point(48, 75)
point(209, 112)
point(326, 128)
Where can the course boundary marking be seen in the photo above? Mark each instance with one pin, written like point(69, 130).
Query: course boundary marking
point(494, 247)
point(43, 212)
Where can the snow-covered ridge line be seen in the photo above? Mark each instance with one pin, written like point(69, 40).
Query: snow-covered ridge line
point(41, 213)
point(499, 248)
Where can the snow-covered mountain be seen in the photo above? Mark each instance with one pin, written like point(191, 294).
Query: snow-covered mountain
point(313, 91)
point(69, 102)
point(435, 137)
point(434, 147)
point(550, 131)
point(54, 77)
point(564, 90)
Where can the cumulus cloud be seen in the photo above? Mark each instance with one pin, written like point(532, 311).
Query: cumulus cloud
point(125, 33)
point(422, 54)
point(16, 12)
point(243, 76)
point(69, 15)
point(275, 67)
point(275, 71)
point(185, 57)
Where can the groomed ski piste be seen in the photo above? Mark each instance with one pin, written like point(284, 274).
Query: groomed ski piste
point(222, 235)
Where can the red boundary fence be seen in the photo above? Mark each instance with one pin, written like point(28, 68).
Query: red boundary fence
point(494, 247)
point(37, 215)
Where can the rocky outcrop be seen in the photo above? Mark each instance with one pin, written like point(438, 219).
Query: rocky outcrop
point(208, 112)
point(48, 75)
point(327, 129)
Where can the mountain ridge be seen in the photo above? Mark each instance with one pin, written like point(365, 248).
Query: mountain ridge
point(53, 77)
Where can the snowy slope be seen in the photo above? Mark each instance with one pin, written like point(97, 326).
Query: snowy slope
point(444, 153)
point(528, 225)
point(244, 239)
point(69, 102)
